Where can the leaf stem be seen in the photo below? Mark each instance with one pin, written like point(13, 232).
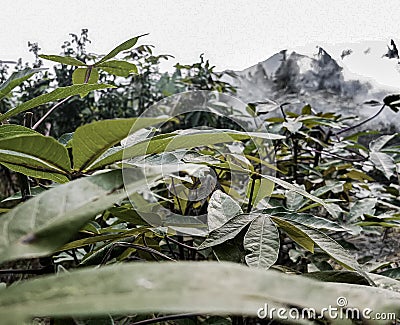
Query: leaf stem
point(164, 319)
point(49, 112)
point(87, 77)
point(361, 123)
point(23, 179)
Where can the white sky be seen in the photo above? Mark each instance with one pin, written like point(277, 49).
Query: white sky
point(232, 34)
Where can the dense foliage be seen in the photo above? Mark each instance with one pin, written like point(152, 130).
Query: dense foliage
point(288, 194)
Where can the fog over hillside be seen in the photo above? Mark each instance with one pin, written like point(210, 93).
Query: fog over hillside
point(338, 84)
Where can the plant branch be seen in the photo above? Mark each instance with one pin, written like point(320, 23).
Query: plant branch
point(87, 77)
point(49, 112)
point(182, 244)
point(361, 123)
point(23, 179)
point(137, 247)
point(336, 156)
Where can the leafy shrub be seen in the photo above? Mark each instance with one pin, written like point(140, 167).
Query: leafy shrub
point(305, 180)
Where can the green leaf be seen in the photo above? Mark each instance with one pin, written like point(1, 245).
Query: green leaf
point(292, 126)
point(383, 162)
point(262, 188)
point(80, 74)
point(146, 288)
point(101, 238)
point(311, 221)
point(342, 276)
point(33, 172)
point(16, 79)
point(295, 233)
point(227, 231)
point(332, 248)
point(392, 273)
point(299, 190)
point(393, 101)
point(221, 209)
point(378, 144)
point(230, 251)
point(44, 223)
point(18, 196)
point(118, 68)
point(12, 130)
point(361, 207)
point(35, 155)
point(262, 240)
point(59, 93)
point(63, 59)
point(173, 141)
point(90, 141)
point(122, 47)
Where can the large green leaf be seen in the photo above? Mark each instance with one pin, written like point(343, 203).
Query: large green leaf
point(15, 80)
point(122, 47)
point(185, 287)
point(332, 248)
point(392, 273)
point(32, 171)
point(299, 190)
point(173, 141)
point(383, 162)
point(221, 209)
point(297, 235)
point(311, 221)
point(227, 231)
point(261, 189)
point(12, 130)
point(35, 155)
point(118, 68)
point(59, 93)
point(90, 141)
point(63, 59)
point(262, 240)
point(44, 223)
point(378, 144)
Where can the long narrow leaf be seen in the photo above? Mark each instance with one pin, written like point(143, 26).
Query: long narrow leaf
point(59, 93)
point(90, 141)
point(299, 190)
point(16, 79)
point(34, 154)
point(122, 47)
point(63, 59)
point(216, 288)
point(44, 223)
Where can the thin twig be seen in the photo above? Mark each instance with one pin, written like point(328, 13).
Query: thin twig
point(22, 178)
point(145, 244)
point(253, 182)
point(336, 156)
point(49, 112)
point(87, 77)
point(164, 318)
point(176, 195)
point(182, 244)
point(138, 247)
point(361, 123)
point(170, 247)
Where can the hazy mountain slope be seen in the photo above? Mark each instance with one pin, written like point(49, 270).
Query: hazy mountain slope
point(321, 81)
